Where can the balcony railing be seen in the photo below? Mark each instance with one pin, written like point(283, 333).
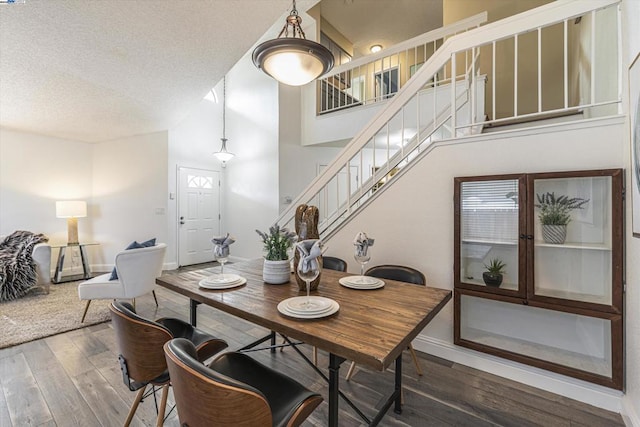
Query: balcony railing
point(377, 77)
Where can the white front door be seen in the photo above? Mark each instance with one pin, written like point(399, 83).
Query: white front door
point(198, 214)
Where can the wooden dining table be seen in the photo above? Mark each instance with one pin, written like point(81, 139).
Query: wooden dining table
point(371, 328)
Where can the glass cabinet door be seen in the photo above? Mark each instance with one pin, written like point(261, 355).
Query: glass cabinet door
point(487, 228)
point(576, 238)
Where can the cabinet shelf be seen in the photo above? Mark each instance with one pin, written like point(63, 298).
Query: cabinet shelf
point(480, 282)
point(598, 366)
point(574, 245)
point(577, 296)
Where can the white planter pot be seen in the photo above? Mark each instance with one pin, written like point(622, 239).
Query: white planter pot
point(276, 272)
point(555, 234)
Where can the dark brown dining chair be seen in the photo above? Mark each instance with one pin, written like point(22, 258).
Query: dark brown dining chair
point(234, 390)
point(141, 354)
point(401, 274)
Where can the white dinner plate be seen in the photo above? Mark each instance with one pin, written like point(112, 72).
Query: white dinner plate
point(362, 280)
point(344, 281)
point(219, 279)
point(210, 285)
point(282, 308)
point(317, 304)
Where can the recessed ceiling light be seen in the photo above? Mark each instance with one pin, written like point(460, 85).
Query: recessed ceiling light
point(376, 48)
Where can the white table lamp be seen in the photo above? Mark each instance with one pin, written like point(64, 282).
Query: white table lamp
point(72, 210)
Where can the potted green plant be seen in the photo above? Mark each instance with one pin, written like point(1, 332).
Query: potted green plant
point(493, 275)
point(278, 243)
point(555, 215)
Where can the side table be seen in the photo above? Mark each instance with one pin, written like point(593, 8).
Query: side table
point(57, 277)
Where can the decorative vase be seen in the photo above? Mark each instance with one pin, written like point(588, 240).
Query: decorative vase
point(555, 234)
point(306, 228)
point(492, 279)
point(276, 272)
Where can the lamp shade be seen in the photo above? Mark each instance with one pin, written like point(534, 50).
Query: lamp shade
point(71, 209)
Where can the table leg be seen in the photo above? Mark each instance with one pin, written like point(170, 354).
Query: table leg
point(57, 277)
point(334, 378)
point(193, 312)
point(85, 262)
point(398, 388)
point(273, 342)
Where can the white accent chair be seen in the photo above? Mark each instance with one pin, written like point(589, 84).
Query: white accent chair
point(137, 270)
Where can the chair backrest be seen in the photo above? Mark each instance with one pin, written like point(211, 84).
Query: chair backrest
point(138, 269)
point(333, 263)
point(397, 272)
point(205, 397)
point(140, 344)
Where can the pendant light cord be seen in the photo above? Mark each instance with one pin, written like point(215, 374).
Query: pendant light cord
point(224, 106)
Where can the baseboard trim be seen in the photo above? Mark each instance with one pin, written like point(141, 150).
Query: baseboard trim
point(629, 414)
point(582, 391)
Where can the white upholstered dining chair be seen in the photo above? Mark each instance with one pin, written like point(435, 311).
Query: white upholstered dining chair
point(136, 269)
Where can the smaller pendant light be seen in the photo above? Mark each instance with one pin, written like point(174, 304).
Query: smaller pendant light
point(223, 155)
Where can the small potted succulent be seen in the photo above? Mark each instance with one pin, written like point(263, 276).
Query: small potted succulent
point(493, 275)
point(278, 246)
point(555, 215)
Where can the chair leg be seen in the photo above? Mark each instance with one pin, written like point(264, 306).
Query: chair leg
point(415, 359)
point(315, 355)
point(154, 297)
point(86, 307)
point(134, 304)
point(163, 405)
point(134, 406)
point(283, 343)
point(350, 371)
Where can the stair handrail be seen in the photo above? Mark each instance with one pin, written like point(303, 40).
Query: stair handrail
point(549, 14)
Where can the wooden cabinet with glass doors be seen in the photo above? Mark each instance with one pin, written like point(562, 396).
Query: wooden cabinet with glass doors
point(555, 242)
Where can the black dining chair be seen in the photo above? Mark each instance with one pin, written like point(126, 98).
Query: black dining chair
point(333, 263)
point(234, 390)
point(141, 354)
point(401, 274)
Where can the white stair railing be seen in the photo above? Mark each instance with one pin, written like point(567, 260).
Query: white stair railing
point(428, 109)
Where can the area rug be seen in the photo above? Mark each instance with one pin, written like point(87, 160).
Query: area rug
point(40, 315)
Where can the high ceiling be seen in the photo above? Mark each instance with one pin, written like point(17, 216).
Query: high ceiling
point(383, 22)
point(99, 70)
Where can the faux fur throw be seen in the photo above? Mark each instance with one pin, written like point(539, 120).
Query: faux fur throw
point(17, 269)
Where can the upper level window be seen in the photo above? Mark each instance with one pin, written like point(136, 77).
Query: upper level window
point(339, 54)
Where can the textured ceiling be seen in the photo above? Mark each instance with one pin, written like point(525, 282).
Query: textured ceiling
point(94, 70)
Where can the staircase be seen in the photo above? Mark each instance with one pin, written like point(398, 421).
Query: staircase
point(486, 86)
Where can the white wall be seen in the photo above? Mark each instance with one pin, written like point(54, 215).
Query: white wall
point(631, 401)
point(35, 171)
point(298, 163)
point(412, 222)
point(251, 189)
point(192, 144)
point(129, 194)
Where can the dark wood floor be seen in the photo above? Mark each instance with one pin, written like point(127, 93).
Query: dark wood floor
point(73, 379)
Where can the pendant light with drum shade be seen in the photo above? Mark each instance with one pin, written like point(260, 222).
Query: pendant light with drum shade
point(293, 60)
point(223, 155)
